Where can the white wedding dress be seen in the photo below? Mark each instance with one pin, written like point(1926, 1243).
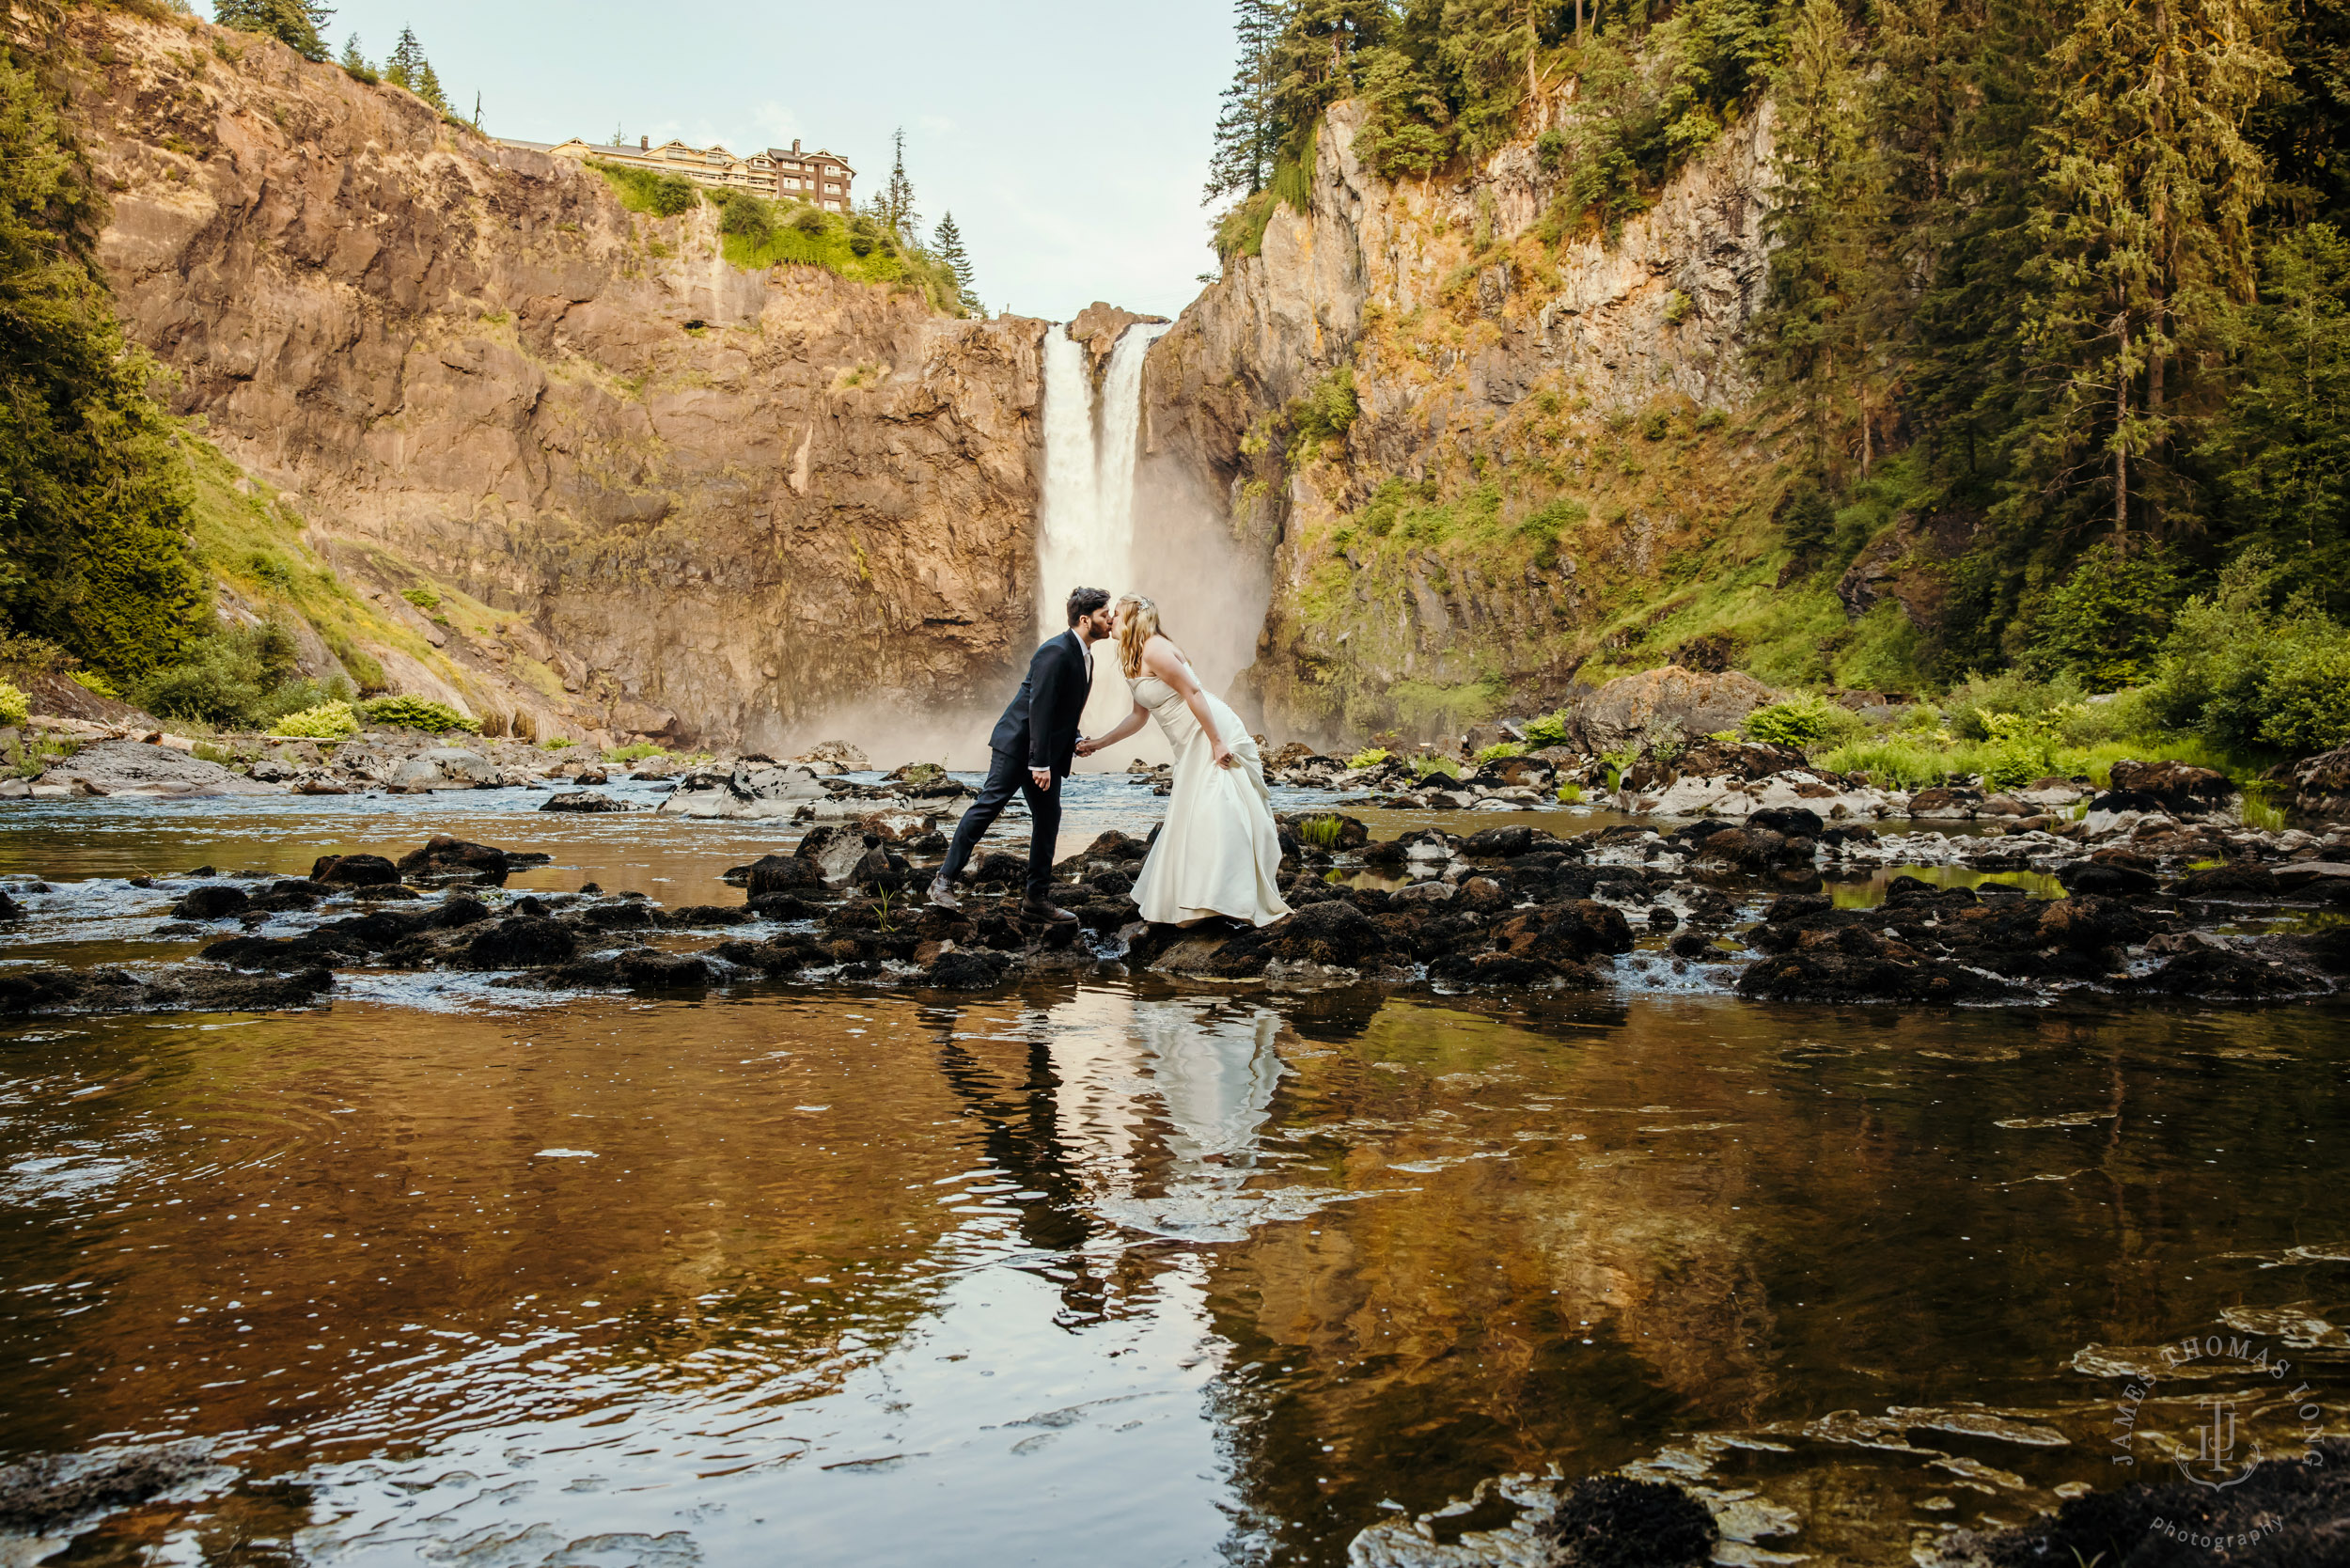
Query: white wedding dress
point(1218, 852)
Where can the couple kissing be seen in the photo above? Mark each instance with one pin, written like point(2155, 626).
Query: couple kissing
point(1218, 853)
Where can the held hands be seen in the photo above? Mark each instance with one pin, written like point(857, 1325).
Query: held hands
point(1086, 747)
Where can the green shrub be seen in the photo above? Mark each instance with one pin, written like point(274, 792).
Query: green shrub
point(1327, 411)
point(1429, 766)
point(15, 707)
point(2105, 621)
point(1570, 794)
point(406, 712)
point(1803, 719)
point(328, 721)
point(635, 752)
point(1370, 757)
point(1549, 730)
point(90, 681)
point(744, 214)
point(2305, 696)
point(423, 598)
point(1500, 749)
point(1971, 704)
point(235, 678)
point(556, 743)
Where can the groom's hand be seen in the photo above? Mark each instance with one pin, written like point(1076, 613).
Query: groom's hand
point(1086, 748)
point(1043, 778)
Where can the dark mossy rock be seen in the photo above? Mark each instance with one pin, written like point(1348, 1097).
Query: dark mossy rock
point(2111, 881)
point(2239, 876)
point(1856, 966)
point(43, 1493)
point(584, 800)
point(446, 858)
point(1617, 1522)
point(521, 942)
point(622, 914)
point(354, 870)
point(781, 873)
point(2229, 974)
point(967, 969)
point(709, 915)
point(647, 969)
point(214, 902)
point(783, 906)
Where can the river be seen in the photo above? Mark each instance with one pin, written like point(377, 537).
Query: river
point(1108, 1270)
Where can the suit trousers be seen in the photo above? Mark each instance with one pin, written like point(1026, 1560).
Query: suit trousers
point(1007, 775)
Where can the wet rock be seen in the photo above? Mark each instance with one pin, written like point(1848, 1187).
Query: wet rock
point(782, 906)
point(9, 908)
point(752, 788)
point(1879, 971)
point(184, 989)
point(521, 942)
point(38, 1495)
point(967, 969)
point(624, 913)
point(2285, 1513)
point(2175, 786)
point(1502, 844)
point(835, 852)
point(2111, 881)
point(709, 915)
point(2238, 877)
point(584, 800)
point(647, 969)
point(2087, 923)
point(444, 858)
point(214, 902)
point(444, 767)
point(2232, 973)
point(353, 871)
point(1617, 1522)
point(1954, 802)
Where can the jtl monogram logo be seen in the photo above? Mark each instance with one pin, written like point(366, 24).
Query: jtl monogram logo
point(2214, 1464)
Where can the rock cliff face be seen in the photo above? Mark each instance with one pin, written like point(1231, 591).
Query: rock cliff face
point(696, 502)
point(1470, 528)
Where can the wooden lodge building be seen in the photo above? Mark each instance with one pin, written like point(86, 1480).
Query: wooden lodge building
point(786, 174)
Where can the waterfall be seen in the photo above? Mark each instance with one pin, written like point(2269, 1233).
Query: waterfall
point(1087, 527)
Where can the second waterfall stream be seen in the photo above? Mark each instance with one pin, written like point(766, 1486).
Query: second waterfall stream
point(1086, 527)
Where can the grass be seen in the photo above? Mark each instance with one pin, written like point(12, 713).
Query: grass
point(1912, 762)
point(1240, 230)
point(1321, 832)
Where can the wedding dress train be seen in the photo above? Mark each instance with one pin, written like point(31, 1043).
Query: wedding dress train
point(1218, 852)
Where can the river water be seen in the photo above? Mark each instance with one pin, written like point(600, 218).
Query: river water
point(1101, 1271)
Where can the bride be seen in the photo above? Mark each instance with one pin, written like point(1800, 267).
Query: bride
point(1218, 853)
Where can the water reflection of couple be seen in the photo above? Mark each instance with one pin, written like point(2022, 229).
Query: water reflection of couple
point(1217, 852)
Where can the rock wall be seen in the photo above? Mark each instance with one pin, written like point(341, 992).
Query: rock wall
point(1483, 350)
point(701, 503)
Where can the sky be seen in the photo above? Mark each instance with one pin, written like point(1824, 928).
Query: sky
point(1069, 138)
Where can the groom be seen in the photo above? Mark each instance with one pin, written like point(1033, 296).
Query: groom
point(1033, 744)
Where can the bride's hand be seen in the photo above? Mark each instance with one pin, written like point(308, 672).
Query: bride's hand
point(1223, 754)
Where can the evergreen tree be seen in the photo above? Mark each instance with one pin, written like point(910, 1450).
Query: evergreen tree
point(353, 60)
point(2282, 447)
point(1817, 340)
point(405, 60)
point(895, 207)
point(947, 243)
point(1246, 134)
point(1313, 62)
point(429, 87)
point(292, 22)
point(2141, 224)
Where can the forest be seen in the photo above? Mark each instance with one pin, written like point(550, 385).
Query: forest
point(2078, 271)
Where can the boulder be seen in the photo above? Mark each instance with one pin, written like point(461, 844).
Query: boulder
point(754, 787)
point(2320, 784)
point(781, 873)
point(354, 870)
point(2175, 786)
point(213, 902)
point(1637, 709)
point(138, 769)
point(1952, 802)
point(444, 767)
point(835, 852)
point(585, 800)
point(521, 942)
point(444, 859)
point(833, 757)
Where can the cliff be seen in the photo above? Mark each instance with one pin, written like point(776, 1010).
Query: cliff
point(1482, 446)
point(615, 484)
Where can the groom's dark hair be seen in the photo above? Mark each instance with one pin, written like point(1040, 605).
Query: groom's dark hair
point(1084, 602)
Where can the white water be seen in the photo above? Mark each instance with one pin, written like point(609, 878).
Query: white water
point(1085, 528)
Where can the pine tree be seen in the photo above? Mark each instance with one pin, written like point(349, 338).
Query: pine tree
point(406, 59)
point(2142, 221)
point(429, 87)
point(1816, 339)
point(353, 60)
point(897, 198)
point(947, 243)
point(292, 22)
point(1244, 134)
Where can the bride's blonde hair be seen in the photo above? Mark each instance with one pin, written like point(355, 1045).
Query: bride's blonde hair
point(1141, 623)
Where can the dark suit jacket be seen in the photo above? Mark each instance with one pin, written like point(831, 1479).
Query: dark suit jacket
point(1042, 722)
